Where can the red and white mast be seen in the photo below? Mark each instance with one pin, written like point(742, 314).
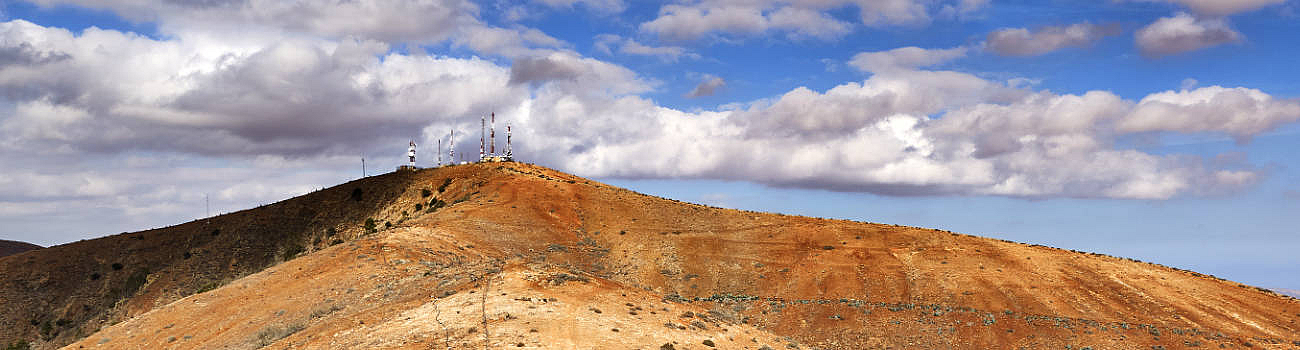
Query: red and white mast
point(508, 153)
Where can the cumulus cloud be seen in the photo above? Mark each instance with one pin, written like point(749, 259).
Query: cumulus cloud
point(708, 87)
point(906, 58)
point(685, 22)
point(1022, 42)
point(1223, 7)
point(119, 92)
point(577, 74)
point(249, 108)
point(1239, 112)
point(1183, 33)
point(798, 19)
point(388, 21)
point(610, 44)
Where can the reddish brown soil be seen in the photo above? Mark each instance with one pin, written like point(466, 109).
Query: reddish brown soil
point(524, 256)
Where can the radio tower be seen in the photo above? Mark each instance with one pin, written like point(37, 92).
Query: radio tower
point(439, 152)
point(482, 133)
point(492, 133)
point(451, 147)
point(508, 153)
point(411, 153)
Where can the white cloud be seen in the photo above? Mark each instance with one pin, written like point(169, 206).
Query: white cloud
point(907, 58)
point(384, 20)
point(1223, 7)
point(388, 21)
point(708, 87)
point(1239, 112)
point(610, 44)
point(1183, 33)
point(685, 22)
point(231, 115)
point(797, 19)
point(1022, 42)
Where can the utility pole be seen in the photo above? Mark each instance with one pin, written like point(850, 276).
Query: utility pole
point(363, 167)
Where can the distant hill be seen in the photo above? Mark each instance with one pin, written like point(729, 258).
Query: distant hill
point(512, 255)
point(1294, 293)
point(8, 248)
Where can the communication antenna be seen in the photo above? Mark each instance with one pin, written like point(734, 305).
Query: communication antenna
point(492, 133)
point(508, 153)
point(482, 133)
point(451, 149)
point(363, 166)
point(439, 152)
point(207, 205)
point(411, 153)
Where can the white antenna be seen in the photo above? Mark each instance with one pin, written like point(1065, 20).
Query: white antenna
point(439, 152)
point(207, 208)
point(411, 153)
point(482, 133)
point(492, 129)
point(509, 154)
point(451, 149)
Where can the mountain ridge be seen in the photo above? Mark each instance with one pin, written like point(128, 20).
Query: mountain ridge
point(778, 280)
point(8, 247)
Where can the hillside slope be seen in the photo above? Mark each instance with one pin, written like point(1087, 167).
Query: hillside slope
point(59, 294)
point(523, 256)
point(8, 248)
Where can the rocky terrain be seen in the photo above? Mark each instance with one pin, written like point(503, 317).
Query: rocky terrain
point(8, 248)
point(511, 255)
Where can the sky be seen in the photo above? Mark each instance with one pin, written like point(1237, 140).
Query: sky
point(1160, 130)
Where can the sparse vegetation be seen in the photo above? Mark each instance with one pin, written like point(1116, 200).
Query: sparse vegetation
point(419, 206)
point(443, 187)
point(370, 225)
point(292, 250)
point(270, 334)
point(135, 281)
point(19, 345)
point(356, 194)
point(424, 193)
point(207, 287)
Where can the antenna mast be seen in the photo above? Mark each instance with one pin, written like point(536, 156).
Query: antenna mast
point(439, 152)
point(508, 153)
point(493, 135)
point(451, 149)
point(482, 134)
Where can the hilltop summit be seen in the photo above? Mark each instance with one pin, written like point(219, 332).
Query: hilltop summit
point(518, 255)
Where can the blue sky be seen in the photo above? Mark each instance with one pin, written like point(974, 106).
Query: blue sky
point(1160, 130)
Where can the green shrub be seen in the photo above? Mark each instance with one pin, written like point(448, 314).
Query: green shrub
point(370, 225)
point(443, 187)
point(424, 192)
point(419, 206)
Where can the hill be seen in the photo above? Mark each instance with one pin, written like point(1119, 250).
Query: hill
point(8, 248)
point(523, 256)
